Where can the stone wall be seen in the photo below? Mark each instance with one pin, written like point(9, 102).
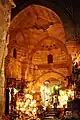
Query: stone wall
point(4, 24)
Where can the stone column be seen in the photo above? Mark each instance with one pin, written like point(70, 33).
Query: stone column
point(5, 11)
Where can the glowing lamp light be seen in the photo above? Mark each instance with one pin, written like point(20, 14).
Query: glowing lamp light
point(15, 91)
point(22, 109)
point(34, 110)
point(28, 96)
point(47, 82)
point(56, 87)
point(26, 104)
point(33, 90)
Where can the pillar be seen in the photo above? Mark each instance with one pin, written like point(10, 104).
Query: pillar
point(5, 11)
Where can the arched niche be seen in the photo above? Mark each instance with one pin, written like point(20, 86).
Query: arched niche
point(51, 46)
point(49, 43)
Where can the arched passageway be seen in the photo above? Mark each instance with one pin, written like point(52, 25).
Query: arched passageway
point(35, 33)
point(42, 31)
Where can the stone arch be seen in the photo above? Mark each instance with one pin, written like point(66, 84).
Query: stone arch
point(52, 39)
point(40, 24)
point(39, 18)
point(51, 74)
point(67, 61)
point(62, 10)
point(49, 5)
point(34, 9)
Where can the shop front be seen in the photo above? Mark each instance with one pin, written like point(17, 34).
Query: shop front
point(53, 94)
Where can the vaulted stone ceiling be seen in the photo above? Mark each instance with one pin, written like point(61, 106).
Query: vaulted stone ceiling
point(41, 34)
point(39, 22)
point(68, 11)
